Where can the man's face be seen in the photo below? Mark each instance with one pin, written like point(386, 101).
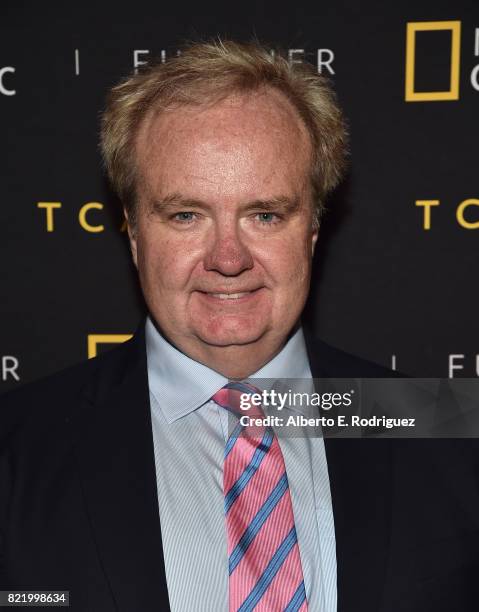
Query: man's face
point(224, 235)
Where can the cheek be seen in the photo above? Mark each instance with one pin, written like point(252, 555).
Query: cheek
point(289, 263)
point(166, 264)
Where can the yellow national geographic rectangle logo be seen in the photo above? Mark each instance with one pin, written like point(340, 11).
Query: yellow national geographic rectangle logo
point(422, 26)
point(95, 339)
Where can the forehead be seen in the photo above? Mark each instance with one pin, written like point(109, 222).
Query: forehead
point(255, 139)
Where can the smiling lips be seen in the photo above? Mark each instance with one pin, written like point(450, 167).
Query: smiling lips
point(229, 295)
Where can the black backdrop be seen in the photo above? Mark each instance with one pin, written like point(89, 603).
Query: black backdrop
point(384, 286)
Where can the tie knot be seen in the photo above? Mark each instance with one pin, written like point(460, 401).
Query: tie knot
point(235, 397)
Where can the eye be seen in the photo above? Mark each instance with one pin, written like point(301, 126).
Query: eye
point(184, 217)
point(268, 218)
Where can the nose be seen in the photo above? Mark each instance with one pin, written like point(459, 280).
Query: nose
point(228, 254)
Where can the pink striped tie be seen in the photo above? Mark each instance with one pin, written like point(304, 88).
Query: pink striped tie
point(265, 572)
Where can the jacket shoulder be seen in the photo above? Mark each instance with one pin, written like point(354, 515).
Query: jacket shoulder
point(40, 403)
point(329, 361)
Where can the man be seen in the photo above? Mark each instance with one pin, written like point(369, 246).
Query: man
point(119, 480)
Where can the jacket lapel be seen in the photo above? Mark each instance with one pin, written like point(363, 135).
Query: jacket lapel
point(114, 444)
point(360, 475)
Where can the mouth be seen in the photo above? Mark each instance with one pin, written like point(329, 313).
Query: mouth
point(230, 296)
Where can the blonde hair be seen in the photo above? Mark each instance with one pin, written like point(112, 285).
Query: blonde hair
point(205, 73)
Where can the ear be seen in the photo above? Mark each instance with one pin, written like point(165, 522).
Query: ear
point(132, 237)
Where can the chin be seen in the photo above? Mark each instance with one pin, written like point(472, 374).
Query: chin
point(228, 335)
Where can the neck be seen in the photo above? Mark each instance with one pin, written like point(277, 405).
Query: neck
point(236, 361)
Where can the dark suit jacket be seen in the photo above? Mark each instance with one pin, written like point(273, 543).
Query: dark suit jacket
point(79, 510)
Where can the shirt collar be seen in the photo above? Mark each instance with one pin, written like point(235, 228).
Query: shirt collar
point(181, 384)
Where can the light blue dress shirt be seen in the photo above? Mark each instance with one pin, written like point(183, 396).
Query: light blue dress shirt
point(189, 433)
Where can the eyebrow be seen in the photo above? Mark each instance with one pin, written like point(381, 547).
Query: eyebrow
point(176, 201)
point(277, 204)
